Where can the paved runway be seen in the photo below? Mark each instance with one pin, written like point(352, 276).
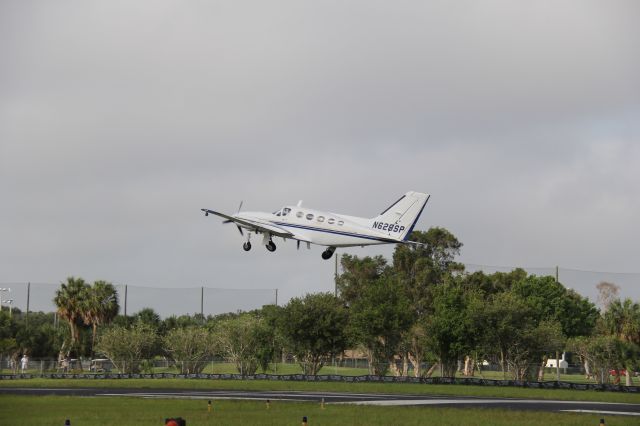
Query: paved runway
point(346, 398)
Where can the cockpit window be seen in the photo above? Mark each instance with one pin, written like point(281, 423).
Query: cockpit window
point(285, 211)
point(278, 213)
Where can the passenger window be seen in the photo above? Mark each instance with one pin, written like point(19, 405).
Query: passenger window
point(320, 218)
point(309, 216)
point(331, 221)
point(299, 214)
point(340, 222)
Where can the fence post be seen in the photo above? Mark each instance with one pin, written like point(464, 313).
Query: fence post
point(335, 277)
point(125, 300)
point(202, 303)
point(28, 294)
point(557, 357)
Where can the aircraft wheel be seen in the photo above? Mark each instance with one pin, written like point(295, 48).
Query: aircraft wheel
point(271, 246)
point(246, 246)
point(326, 255)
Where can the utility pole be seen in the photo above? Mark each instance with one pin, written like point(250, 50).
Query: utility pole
point(202, 303)
point(557, 354)
point(335, 276)
point(28, 296)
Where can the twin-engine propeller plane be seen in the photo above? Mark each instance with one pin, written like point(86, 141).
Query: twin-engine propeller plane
point(332, 230)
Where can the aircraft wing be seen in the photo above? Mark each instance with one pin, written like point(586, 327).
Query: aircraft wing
point(254, 224)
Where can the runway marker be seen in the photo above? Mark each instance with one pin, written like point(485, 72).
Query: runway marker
point(615, 413)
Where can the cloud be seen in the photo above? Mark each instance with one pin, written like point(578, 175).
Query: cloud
point(118, 121)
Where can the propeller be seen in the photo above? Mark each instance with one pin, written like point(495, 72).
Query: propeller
point(225, 222)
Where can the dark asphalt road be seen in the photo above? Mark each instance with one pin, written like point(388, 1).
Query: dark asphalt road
point(345, 398)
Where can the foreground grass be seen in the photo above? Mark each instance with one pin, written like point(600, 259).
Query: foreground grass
point(391, 388)
point(107, 411)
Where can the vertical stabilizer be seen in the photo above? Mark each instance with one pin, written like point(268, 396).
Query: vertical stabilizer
point(398, 220)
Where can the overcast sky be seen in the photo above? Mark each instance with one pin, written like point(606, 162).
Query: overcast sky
point(119, 120)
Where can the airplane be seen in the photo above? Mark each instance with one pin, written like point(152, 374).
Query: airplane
point(392, 226)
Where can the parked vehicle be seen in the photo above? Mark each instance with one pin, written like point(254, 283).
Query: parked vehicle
point(100, 365)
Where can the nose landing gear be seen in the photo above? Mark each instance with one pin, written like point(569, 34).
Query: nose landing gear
point(246, 246)
point(328, 253)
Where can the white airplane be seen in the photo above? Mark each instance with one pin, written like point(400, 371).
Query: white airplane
point(333, 230)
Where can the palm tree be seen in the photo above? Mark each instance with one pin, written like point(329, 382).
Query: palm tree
point(622, 320)
point(100, 306)
point(69, 301)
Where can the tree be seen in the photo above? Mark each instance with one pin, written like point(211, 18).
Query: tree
point(8, 343)
point(622, 321)
point(358, 274)
point(40, 337)
point(498, 282)
point(607, 293)
point(450, 329)
point(599, 353)
point(127, 347)
point(314, 328)
point(269, 336)
point(379, 317)
point(69, 300)
point(550, 300)
point(238, 338)
point(532, 345)
point(99, 306)
point(189, 348)
point(501, 320)
point(148, 316)
point(420, 267)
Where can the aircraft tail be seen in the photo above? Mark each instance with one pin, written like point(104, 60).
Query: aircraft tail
point(398, 220)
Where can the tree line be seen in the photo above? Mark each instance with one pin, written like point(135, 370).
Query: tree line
point(421, 308)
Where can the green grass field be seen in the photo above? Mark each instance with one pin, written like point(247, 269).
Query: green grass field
point(403, 388)
point(107, 411)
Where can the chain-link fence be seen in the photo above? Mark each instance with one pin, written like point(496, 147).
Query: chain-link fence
point(34, 297)
point(344, 369)
point(582, 281)
point(168, 301)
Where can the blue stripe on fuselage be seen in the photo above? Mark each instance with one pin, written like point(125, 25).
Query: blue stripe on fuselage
point(329, 231)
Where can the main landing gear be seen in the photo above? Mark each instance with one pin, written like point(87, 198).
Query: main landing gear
point(328, 253)
point(268, 243)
